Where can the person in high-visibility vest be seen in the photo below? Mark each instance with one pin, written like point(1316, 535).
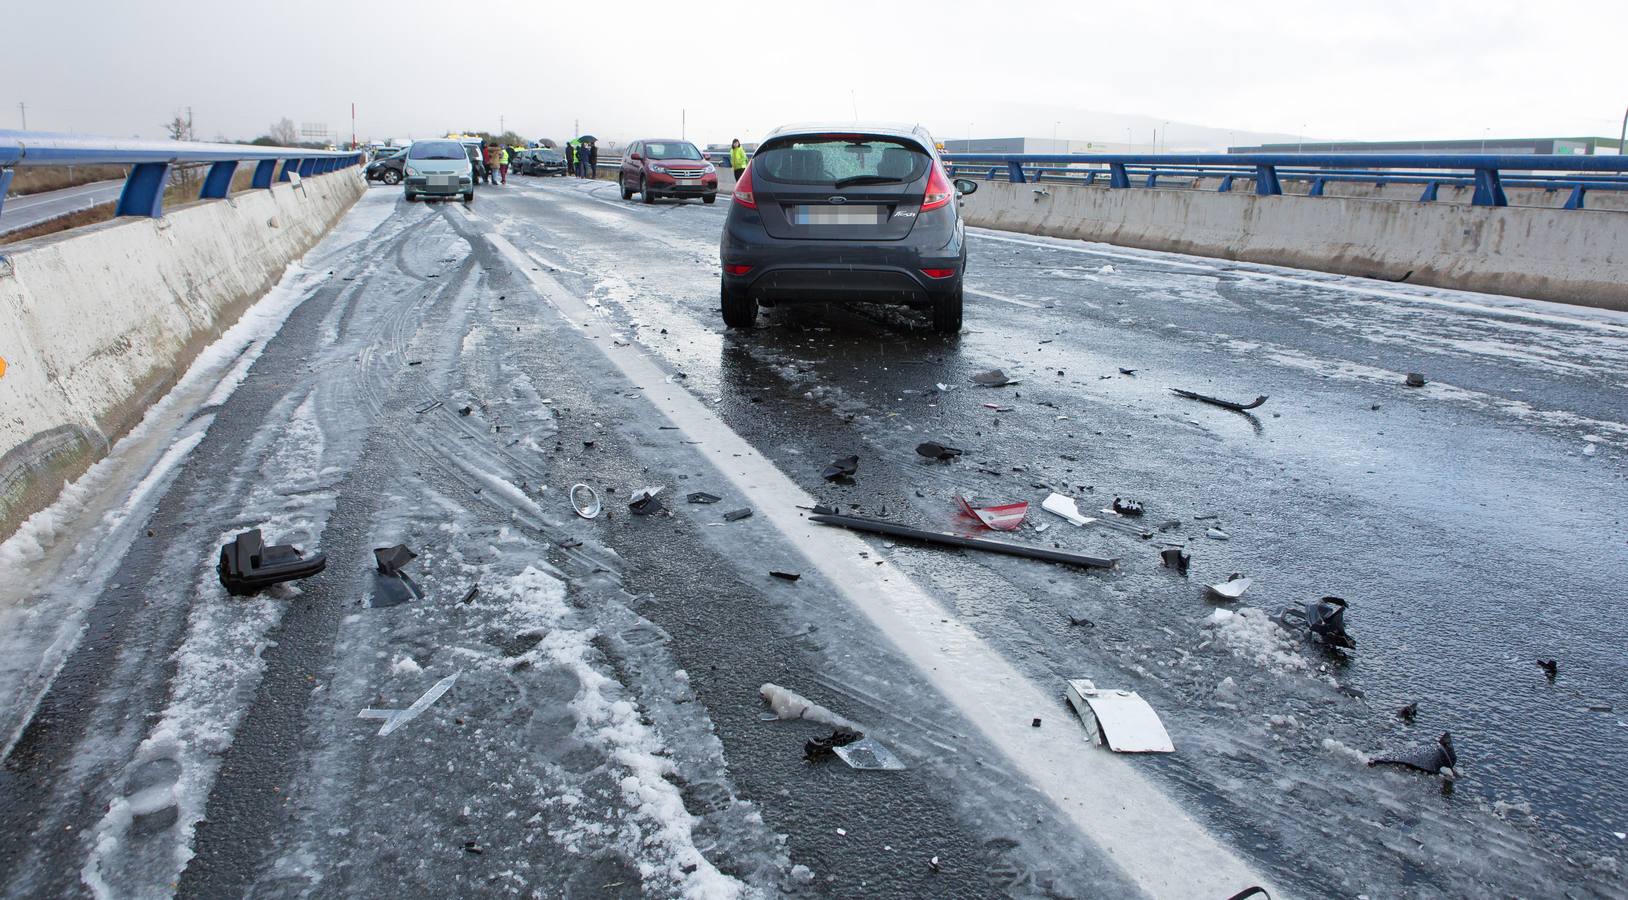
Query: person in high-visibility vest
point(737, 158)
point(503, 163)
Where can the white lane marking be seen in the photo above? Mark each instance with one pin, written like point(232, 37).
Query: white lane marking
point(1002, 298)
point(1092, 251)
point(1138, 827)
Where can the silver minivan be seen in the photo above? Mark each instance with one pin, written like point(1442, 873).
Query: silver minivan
point(438, 169)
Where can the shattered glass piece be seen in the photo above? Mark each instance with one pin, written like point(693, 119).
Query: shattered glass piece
point(393, 589)
point(1232, 588)
point(735, 515)
point(1216, 534)
point(869, 754)
point(935, 450)
point(820, 747)
point(841, 468)
point(391, 559)
point(1176, 558)
point(702, 497)
point(1431, 758)
point(585, 500)
point(395, 718)
point(993, 378)
point(1000, 517)
point(645, 502)
point(1120, 719)
point(1059, 505)
point(1216, 401)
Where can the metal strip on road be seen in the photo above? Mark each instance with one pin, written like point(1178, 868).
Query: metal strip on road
point(1143, 831)
point(1001, 297)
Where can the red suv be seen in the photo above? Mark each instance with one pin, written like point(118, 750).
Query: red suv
point(667, 168)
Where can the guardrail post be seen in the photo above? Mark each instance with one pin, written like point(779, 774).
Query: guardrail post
point(1429, 195)
point(1575, 201)
point(1266, 181)
point(1316, 188)
point(1489, 189)
point(1091, 177)
point(1226, 184)
point(1153, 178)
point(264, 172)
point(143, 193)
point(1117, 176)
point(218, 183)
point(1014, 172)
point(993, 171)
point(307, 167)
point(289, 166)
point(5, 185)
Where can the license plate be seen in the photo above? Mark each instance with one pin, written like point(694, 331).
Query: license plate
point(834, 214)
point(688, 181)
point(443, 180)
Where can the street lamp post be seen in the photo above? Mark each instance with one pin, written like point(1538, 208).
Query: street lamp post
point(1054, 136)
point(1622, 137)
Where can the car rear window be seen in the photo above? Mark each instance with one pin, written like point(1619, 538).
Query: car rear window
point(671, 150)
point(436, 150)
point(835, 159)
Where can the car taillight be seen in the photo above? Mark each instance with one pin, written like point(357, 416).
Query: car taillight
point(743, 190)
point(939, 191)
point(938, 273)
point(738, 270)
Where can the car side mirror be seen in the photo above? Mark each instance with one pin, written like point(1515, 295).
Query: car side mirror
point(636, 157)
point(966, 186)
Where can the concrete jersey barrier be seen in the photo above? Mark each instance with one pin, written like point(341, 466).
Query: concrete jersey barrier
point(1568, 256)
point(98, 322)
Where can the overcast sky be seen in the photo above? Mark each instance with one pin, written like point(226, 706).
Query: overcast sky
point(1379, 69)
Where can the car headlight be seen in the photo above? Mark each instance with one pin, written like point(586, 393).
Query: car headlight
point(710, 168)
point(412, 171)
point(659, 169)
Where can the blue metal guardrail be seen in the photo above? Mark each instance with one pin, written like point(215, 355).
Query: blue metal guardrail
point(1578, 174)
point(150, 163)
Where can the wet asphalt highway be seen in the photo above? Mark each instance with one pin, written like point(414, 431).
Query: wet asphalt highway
point(1475, 525)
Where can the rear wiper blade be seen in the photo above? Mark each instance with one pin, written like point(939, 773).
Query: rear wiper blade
point(866, 179)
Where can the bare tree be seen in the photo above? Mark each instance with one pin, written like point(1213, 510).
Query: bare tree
point(283, 133)
point(180, 129)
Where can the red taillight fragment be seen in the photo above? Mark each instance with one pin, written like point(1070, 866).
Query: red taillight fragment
point(743, 190)
point(738, 270)
point(939, 191)
point(938, 273)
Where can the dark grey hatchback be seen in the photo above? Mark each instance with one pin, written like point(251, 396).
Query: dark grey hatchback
point(845, 213)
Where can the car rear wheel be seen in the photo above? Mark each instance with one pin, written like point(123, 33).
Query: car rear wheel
point(390, 176)
point(644, 192)
point(947, 313)
point(740, 310)
point(626, 194)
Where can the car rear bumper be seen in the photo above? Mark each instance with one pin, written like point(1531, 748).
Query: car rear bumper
point(821, 271)
point(421, 185)
point(802, 283)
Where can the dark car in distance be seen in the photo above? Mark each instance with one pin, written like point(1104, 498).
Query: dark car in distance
point(387, 166)
point(839, 213)
point(667, 168)
point(540, 161)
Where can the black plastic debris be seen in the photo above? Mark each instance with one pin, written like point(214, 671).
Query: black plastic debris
point(735, 515)
point(841, 468)
point(1408, 713)
point(473, 847)
point(821, 747)
point(1176, 558)
point(391, 559)
point(645, 502)
point(1414, 379)
point(1035, 723)
point(247, 566)
point(878, 526)
point(470, 597)
point(391, 586)
point(433, 404)
point(1431, 758)
point(1325, 619)
point(935, 450)
point(1550, 668)
point(786, 576)
point(992, 378)
point(466, 411)
point(1127, 507)
point(1125, 371)
point(1217, 401)
point(702, 497)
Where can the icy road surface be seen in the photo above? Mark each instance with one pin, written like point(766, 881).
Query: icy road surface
point(439, 376)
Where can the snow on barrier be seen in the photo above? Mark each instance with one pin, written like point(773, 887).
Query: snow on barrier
point(1575, 256)
point(97, 322)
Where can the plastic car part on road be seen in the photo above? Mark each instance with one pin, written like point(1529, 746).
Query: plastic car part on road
point(248, 566)
point(877, 526)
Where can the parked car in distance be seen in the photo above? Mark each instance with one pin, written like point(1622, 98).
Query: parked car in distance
point(667, 168)
point(845, 212)
point(541, 161)
point(387, 167)
point(438, 169)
